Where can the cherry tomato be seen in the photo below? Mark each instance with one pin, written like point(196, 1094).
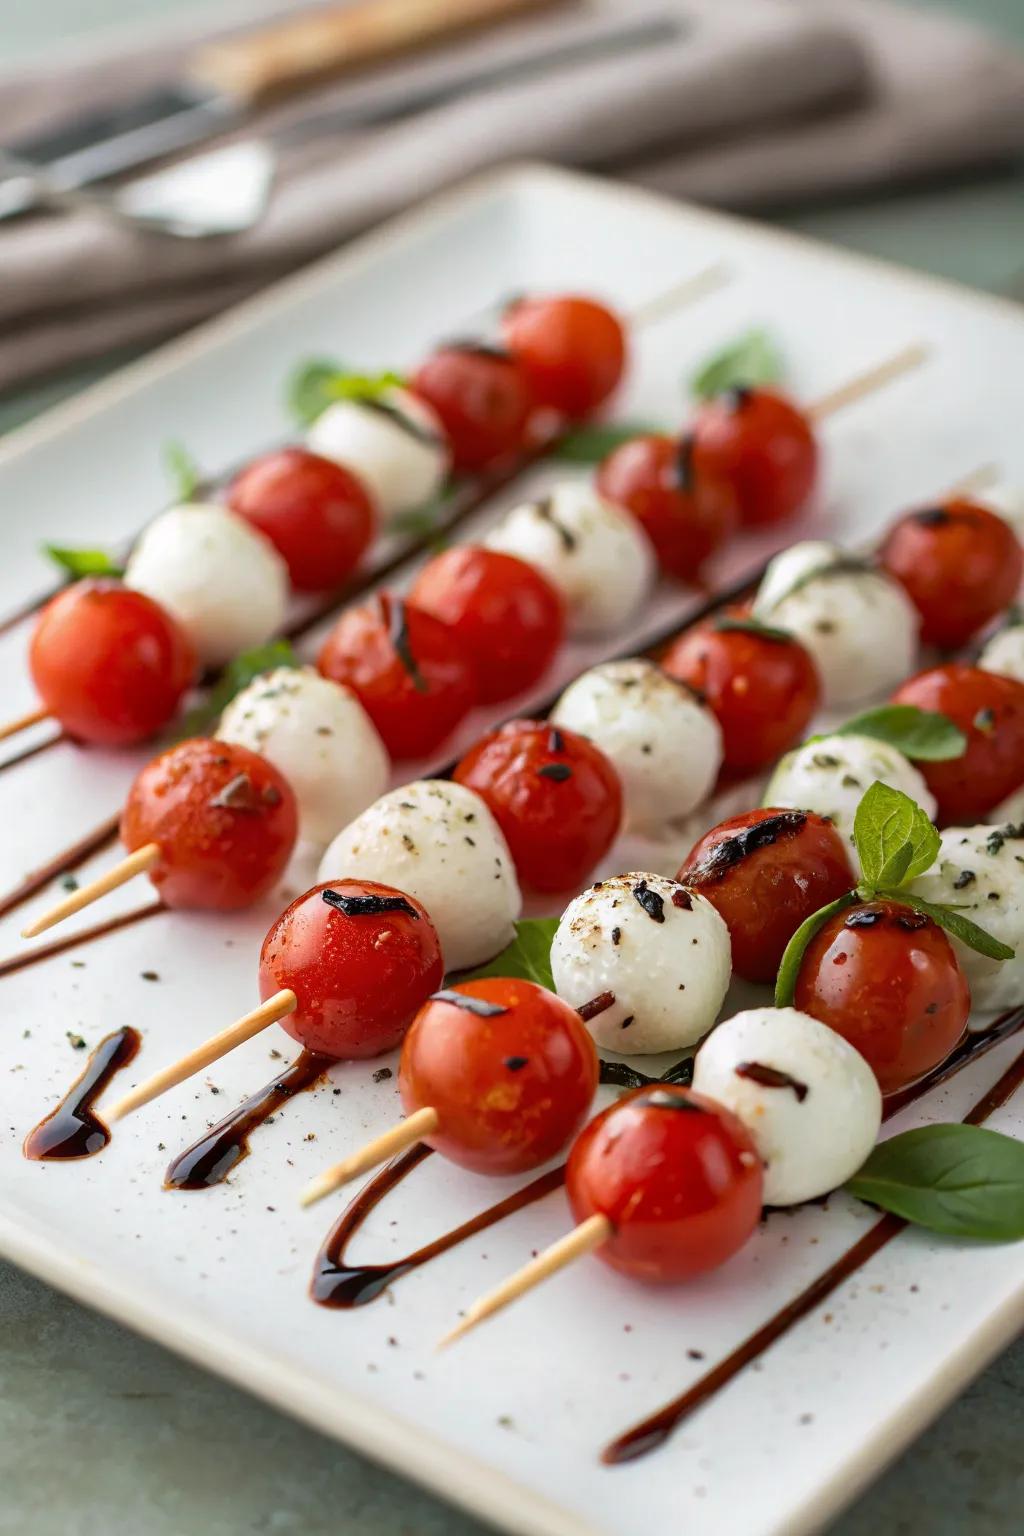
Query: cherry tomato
point(508, 617)
point(360, 957)
point(765, 873)
point(109, 664)
point(763, 446)
point(885, 978)
point(572, 350)
point(483, 399)
point(408, 670)
point(761, 684)
point(678, 1177)
point(989, 709)
point(960, 565)
point(685, 512)
point(555, 796)
point(509, 1068)
point(317, 514)
point(224, 819)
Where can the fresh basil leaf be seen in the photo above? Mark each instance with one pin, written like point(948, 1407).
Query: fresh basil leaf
point(955, 923)
point(789, 967)
point(923, 735)
point(961, 1180)
point(884, 831)
point(753, 359)
point(82, 562)
point(317, 384)
point(238, 674)
point(528, 956)
point(183, 470)
point(591, 444)
point(752, 626)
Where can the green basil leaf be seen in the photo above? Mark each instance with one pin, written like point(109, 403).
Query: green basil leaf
point(238, 674)
point(955, 923)
point(886, 829)
point(923, 735)
point(591, 444)
point(528, 956)
point(789, 966)
point(183, 470)
point(82, 562)
point(752, 626)
point(317, 384)
point(961, 1180)
point(753, 359)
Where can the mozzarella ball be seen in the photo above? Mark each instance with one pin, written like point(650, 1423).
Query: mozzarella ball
point(664, 743)
point(1004, 653)
point(979, 870)
point(858, 624)
point(222, 580)
point(809, 1100)
point(438, 842)
point(597, 555)
point(832, 774)
point(660, 952)
point(394, 442)
point(320, 737)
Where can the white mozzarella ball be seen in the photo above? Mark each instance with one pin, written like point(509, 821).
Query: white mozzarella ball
point(1004, 653)
point(660, 952)
point(594, 553)
point(222, 580)
point(857, 623)
point(665, 744)
point(809, 1100)
point(980, 871)
point(830, 776)
point(394, 442)
point(438, 842)
point(320, 737)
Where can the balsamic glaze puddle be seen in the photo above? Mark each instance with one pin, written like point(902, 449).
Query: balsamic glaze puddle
point(73, 1130)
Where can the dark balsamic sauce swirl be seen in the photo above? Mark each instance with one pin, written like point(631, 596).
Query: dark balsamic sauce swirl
point(73, 1129)
point(731, 851)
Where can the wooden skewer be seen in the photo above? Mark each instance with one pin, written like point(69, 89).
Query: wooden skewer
point(422, 1123)
point(696, 286)
point(22, 722)
point(866, 383)
point(136, 863)
point(590, 1234)
point(211, 1050)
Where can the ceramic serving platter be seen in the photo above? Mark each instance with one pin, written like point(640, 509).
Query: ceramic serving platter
point(511, 1423)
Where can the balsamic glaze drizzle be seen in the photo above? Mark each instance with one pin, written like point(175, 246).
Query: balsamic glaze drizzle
point(73, 1130)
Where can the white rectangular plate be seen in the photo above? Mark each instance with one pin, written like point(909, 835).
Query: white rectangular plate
point(509, 1424)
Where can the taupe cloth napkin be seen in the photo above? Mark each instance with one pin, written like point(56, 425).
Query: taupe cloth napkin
point(757, 100)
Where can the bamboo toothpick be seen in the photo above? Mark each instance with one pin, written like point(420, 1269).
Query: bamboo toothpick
point(423, 1122)
point(687, 291)
point(590, 1234)
point(136, 863)
point(211, 1050)
point(22, 722)
point(868, 382)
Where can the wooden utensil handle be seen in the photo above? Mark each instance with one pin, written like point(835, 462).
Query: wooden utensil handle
point(288, 56)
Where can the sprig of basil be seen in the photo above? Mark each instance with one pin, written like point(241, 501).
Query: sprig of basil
point(960, 1180)
point(238, 674)
point(954, 922)
point(752, 359)
point(318, 383)
point(82, 562)
point(792, 959)
point(590, 444)
point(527, 957)
point(923, 735)
point(751, 626)
point(182, 469)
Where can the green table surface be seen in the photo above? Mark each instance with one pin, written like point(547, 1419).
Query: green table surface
point(103, 1431)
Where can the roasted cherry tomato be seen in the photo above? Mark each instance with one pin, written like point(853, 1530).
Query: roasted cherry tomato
point(360, 958)
point(555, 796)
point(224, 819)
point(507, 616)
point(677, 1176)
point(408, 670)
point(885, 978)
point(765, 873)
point(989, 709)
point(572, 350)
point(761, 684)
point(685, 512)
point(109, 664)
point(509, 1069)
point(960, 565)
point(763, 446)
point(318, 515)
point(483, 399)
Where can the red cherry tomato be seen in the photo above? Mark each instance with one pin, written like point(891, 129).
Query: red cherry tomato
point(885, 978)
point(555, 796)
point(317, 514)
point(678, 1177)
point(763, 446)
point(960, 565)
point(508, 617)
point(483, 399)
point(989, 709)
point(761, 684)
point(509, 1068)
point(408, 670)
point(360, 957)
point(109, 664)
point(765, 873)
point(573, 351)
point(224, 819)
point(685, 512)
